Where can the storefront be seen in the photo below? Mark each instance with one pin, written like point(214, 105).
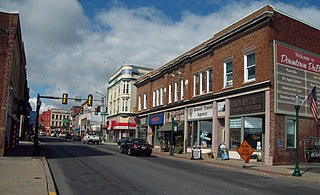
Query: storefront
point(155, 122)
point(142, 128)
point(199, 130)
point(247, 122)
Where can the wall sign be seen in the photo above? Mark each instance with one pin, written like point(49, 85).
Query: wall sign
point(221, 108)
point(296, 73)
point(199, 112)
point(247, 104)
point(156, 119)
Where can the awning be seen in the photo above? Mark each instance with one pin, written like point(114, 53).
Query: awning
point(168, 126)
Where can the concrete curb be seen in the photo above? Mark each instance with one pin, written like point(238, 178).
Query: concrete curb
point(50, 183)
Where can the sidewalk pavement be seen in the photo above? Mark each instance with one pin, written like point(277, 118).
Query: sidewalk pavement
point(22, 173)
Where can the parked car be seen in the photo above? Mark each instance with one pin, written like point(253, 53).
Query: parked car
point(53, 135)
point(76, 138)
point(68, 136)
point(91, 138)
point(137, 146)
point(119, 141)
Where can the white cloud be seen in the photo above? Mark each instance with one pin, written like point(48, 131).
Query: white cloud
point(67, 53)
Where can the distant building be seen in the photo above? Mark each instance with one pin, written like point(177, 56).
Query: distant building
point(122, 100)
point(14, 98)
point(45, 121)
point(60, 120)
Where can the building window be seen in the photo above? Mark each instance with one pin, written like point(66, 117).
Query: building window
point(195, 84)
point(144, 101)
point(153, 98)
point(290, 133)
point(139, 103)
point(176, 91)
point(157, 97)
point(202, 83)
point(110, 107)
point(170, 94)
point(125, 105)
point(53, 116)
point(209, 80)
point(249, 67)
point(161, 96)
point(182, 90)
point(126, 87)
point(228, 74)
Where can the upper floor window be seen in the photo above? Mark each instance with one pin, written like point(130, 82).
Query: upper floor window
point(153, 98)
point(161, 96)
point(196, 84)
point(203, 83)
point(144, 101)
point(126, 87)
point(249, 66)
point(209, 80)
point(139, 103)
point(176, 91)
point(170, 94)
point(157, 98)
point(182, 90)
point(125, 105)
point(228, 73)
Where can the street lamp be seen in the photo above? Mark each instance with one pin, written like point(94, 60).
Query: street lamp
point(103, 112)
point(297, 107)
point(171, 137)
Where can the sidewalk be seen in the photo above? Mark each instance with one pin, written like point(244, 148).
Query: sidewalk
point(310, 172)
point(22, 173)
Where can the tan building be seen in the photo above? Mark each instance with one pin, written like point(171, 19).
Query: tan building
point(60, 120)
point(239, 85)
point(122, 100)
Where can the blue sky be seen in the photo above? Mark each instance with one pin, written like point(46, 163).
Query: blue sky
point(74, 46)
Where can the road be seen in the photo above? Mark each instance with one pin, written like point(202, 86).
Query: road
point(78, 168)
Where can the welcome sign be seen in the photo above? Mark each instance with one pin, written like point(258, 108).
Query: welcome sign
point(296, 72)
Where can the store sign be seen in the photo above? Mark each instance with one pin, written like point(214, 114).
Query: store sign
point(252, 122)
point(297, 72)
point(143, 121)
point(156, 119)
point(247, 104)
point(235, 123)
point(199, 112)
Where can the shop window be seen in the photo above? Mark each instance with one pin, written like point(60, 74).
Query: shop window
point(205, 133)
point(253, 132)
point(249, 67)
point(290, 133)
point(228, 73)
point(235, 133)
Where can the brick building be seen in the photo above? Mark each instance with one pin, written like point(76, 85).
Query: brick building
point(45, 121)
point(14, 92)
point(238, 85)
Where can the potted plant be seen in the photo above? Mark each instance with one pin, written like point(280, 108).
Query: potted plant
point(210, 154)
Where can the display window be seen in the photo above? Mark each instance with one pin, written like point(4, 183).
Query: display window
point(205, 133)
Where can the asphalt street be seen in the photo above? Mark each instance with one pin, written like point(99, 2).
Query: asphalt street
point(78, 168)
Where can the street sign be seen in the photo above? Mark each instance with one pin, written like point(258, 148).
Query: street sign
point(245, 151)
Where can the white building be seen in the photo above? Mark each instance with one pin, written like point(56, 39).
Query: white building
point(122, 100)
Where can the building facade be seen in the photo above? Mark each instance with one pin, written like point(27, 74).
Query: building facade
point(239, 85)
point(60, 121)
point(45, 122)
point(14, 98)
point(121, 101)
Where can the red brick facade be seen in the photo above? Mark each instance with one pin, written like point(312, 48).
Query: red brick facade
point(14, 93)
point(257, 32)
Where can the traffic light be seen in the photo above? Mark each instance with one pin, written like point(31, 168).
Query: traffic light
point(135, 110)
point(96, 110)
point(64, 98)
point(81, 110)
point(90, 99)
